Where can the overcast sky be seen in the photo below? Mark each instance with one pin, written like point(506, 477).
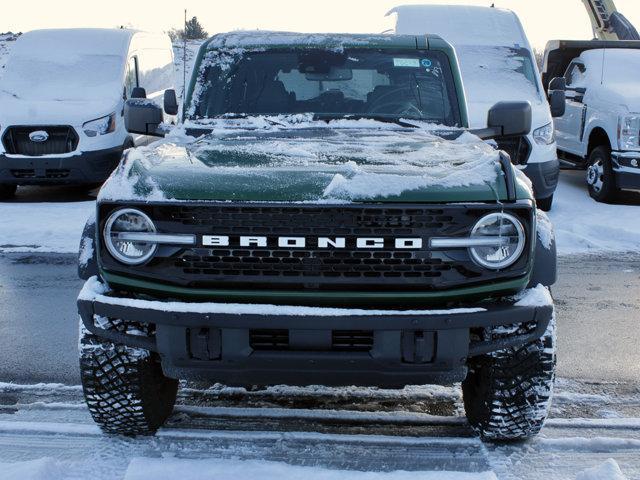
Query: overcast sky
point(543, 19)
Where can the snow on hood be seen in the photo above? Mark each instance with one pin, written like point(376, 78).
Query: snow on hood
point(15, 111)
point(346, 160)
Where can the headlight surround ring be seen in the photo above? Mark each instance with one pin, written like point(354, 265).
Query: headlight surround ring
point(117, 253)
point(501, 219)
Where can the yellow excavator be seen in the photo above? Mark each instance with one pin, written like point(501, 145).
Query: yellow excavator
point(608, 23)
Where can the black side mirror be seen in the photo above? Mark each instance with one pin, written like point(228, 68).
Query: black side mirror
point(138, 92)
point(510, 119)
point(143, 117)
point(558, 83)
point(558, 103)
point(170, 102)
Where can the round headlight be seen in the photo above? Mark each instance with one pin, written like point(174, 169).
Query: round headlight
point(127, 251)
point(504, 241)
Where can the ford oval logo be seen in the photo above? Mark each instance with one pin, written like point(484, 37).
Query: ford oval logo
point(39, 136)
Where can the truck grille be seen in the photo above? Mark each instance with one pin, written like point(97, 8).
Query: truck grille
point(310, 268)
point(61, 139)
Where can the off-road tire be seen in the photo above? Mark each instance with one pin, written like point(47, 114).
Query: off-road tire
point(607, 191)
point(124, 387)
point(507, 394)
point(545, 204)
point(7, 192)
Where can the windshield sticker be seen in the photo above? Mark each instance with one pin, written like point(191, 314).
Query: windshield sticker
point(426, 63)
point(406, 62)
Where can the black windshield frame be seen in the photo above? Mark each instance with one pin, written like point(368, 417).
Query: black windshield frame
point(223, 85)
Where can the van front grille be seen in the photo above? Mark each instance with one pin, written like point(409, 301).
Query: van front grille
point(58, 140)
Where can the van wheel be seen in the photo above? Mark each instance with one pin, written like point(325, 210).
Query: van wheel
point(7, 192)
point(124, 387)
point(545, 204)
point(600, 178)
point(507, 394)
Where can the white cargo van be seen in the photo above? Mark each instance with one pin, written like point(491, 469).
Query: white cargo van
point(497, 64)
point(62, 102)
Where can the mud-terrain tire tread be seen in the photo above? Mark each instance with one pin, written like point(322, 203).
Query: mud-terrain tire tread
point(126, 392)
point(507, 394)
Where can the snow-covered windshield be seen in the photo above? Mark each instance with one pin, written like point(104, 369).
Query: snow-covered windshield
point(64, 76)
point(492, 74)
point(362, 83)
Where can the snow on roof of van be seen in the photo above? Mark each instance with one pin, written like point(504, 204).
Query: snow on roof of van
point(473, 25)
point(97, 41)
point(66, 65)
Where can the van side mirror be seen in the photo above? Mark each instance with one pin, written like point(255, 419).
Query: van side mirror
point(138, 92)
point(558, 103)
point(558, 96)
point(558, 83)
point(143, 117)
point(170, 102)
point(510, 119)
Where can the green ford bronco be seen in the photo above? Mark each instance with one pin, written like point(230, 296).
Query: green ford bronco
point(321, 216)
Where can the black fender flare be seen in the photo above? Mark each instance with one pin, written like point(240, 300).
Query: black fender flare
point(545, 265)
point(87, 255)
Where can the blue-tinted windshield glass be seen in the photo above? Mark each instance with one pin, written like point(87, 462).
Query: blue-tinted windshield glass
point(359, 82)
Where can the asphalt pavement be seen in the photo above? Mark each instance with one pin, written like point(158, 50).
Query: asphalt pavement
point(598, 300)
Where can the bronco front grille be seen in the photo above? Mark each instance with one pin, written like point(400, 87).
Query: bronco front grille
point(60, 140)
point(310, 267)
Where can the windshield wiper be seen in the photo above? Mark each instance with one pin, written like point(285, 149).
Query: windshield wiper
point(379, 118)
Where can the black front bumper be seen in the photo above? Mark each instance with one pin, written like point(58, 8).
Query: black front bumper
point(84, 168)
point(544, 176)
point(405, 347)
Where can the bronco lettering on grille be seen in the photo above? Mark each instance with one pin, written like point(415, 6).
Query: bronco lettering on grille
point(317, 242)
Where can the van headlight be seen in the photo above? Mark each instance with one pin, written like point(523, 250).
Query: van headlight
point(125, 250)
point(501, 240)
point(544, 135)
point(100, 126)
point(629, 132)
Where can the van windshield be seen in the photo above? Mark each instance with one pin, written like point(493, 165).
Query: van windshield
point(363, 83)
point(492, 74)
point(70, 77)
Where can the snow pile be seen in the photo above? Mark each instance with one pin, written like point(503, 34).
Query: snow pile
point(583, 225)
point(43, 227)
point(214, 469)
point(607, 471)
point(534, 297)
point(40, 469)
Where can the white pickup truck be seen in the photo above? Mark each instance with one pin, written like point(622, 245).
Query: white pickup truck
point(600, 129)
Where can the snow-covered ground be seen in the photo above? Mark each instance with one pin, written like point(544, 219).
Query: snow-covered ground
point(46, 433)
point(584, 226)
